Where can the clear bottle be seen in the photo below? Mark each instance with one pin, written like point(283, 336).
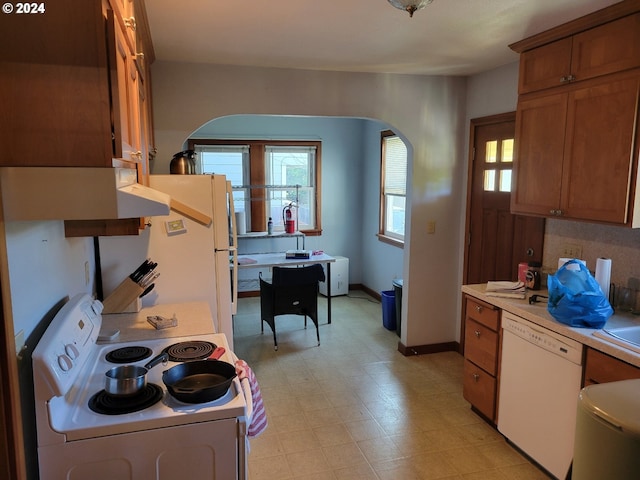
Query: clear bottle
point(270, 226)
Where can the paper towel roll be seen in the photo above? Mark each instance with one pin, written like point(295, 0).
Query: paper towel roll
point(241, 223)
point(603, 274)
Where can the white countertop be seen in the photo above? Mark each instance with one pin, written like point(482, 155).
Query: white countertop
point(538, 314)
point(193, 319)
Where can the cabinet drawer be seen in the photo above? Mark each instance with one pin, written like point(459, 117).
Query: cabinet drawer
point(481, 346)
point(483, 313)
point(602, 368)
point(479, 389)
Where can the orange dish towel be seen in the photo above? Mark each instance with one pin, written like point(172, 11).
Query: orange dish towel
point(259, 418)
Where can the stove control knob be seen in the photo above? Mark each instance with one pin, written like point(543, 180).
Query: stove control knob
point(72, 351)
point(65, 363)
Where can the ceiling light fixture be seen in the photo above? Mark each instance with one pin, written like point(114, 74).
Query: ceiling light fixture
point(410, 5)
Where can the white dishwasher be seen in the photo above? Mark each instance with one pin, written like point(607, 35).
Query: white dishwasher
point(540, 376)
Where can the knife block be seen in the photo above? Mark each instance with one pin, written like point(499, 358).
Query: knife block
point(124, 298)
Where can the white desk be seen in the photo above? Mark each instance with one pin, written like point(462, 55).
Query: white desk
point(266, 260)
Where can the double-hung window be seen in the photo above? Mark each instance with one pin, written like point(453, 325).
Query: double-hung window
point(393, 190)
point(231, 161)
point(291, 177)
point(267, 177)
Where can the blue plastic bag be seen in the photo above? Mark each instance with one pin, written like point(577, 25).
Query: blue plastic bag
point(575, 298)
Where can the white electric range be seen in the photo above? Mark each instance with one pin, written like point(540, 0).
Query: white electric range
point(84, 433)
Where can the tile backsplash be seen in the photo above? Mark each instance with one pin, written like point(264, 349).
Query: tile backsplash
point(620, 244)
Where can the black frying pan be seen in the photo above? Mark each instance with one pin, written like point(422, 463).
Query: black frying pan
point(199, 381)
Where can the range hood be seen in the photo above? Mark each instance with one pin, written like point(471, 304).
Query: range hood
point(77, 193)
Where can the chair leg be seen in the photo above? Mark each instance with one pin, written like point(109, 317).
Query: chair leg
point(275, 342)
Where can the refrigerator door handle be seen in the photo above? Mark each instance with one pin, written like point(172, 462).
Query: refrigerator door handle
point(233, 249)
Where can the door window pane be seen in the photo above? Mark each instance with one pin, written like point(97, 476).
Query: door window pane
point(489, 180)
point(491, 155)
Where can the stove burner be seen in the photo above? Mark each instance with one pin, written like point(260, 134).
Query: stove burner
point(107, 404)
point(190, 350)
point(128, 354)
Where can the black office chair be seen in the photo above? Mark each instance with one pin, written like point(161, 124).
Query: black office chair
point(293, 291)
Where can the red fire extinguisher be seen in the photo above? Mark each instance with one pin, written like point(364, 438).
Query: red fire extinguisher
point(287, 218)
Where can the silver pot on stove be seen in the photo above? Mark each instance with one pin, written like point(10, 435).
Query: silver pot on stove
point(126, 380)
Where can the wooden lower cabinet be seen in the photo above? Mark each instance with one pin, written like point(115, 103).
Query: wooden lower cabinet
point(602, 368)
point(479, 389)
point(481, 352)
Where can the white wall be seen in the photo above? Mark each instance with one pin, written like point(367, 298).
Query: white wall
point(44, 268)
point(429, 111)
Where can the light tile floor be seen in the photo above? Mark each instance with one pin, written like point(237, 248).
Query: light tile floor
point(355, 408)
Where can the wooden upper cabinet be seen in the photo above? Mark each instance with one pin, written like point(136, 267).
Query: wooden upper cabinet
point(545, 67)
point(609, 48)
point(55, 88)
point(577, 119)
point(537, 169)
point(125, 13)
point(575, 153)
point(599, 149)
point(70, 89)
point(124, 79)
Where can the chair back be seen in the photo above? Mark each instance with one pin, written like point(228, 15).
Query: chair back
point(289, 277)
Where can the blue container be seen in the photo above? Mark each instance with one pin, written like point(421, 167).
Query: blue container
point(388, 309)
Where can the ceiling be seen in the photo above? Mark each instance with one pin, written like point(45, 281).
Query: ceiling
point(448, 37)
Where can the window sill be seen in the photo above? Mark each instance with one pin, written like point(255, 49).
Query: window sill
point(390, 240)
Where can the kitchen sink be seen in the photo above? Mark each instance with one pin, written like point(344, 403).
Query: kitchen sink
point(624, 336)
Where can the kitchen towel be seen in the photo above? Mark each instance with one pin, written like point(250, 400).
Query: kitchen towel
point(258, 421)
point(241, 223)
point(603, 274)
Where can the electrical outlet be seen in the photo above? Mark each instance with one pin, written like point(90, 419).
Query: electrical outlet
point(571, 250)
point(431, 226)
point(87, 276)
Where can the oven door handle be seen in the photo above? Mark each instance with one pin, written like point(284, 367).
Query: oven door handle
point(246, 391)
point(245, 387)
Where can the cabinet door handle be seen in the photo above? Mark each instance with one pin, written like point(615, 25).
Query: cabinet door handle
point(131, 23)
point(556, 213)
point(476, 377)
point(478, 308)
point(567, 78)
point(477, 332)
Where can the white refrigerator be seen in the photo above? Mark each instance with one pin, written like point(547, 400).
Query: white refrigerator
point(194, 247)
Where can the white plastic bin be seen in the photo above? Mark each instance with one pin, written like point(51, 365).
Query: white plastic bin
point(339, 277)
